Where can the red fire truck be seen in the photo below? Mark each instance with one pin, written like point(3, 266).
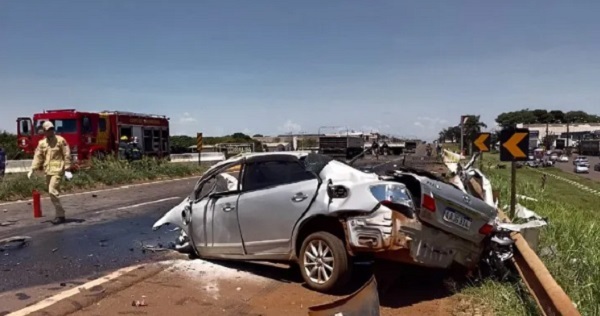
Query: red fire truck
point(92, 134)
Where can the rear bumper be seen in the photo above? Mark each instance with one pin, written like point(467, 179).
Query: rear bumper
point(392, 236)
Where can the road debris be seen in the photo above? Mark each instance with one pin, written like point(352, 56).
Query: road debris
point(139, 303)
point(54, 250)
point(526, 198)
point(152, 248)
point(8, 223)
point(14, 242)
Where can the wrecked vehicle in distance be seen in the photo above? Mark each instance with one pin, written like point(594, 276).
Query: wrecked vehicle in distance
point(324, 214)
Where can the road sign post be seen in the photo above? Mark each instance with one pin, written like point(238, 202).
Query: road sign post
point(199, 147)
point(514, 146)
point(483, 144)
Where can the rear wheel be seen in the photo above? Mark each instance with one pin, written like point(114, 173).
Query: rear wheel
point(324, 262)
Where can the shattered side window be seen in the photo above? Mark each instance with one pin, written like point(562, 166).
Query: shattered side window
point(262, 175)
point(315, 162)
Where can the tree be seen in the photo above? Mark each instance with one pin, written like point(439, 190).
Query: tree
point(257, 135)
point(557, 116)
point(8, 142)
point(471, 128)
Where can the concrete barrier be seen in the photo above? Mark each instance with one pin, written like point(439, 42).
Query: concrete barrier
point(209, 157)
point(21, 166)
point(18, 166)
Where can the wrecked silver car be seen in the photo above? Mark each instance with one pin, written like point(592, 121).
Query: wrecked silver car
point(324, 214)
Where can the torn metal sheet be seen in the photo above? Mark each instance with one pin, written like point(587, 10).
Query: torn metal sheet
point(518, 227)
point(14, 242)
point(363, 302)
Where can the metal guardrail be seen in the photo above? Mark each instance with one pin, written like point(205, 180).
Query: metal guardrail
point(549, 296)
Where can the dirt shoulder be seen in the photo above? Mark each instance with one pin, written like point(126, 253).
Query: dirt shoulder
point(194, 287)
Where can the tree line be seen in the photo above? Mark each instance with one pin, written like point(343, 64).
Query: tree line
point(181, 143)
point(540, 116)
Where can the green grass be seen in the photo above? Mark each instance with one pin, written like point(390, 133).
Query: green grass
point(594, 184)
point(573, 229)
point(102, 173)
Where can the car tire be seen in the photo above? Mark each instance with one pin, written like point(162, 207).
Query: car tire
point(335, 252)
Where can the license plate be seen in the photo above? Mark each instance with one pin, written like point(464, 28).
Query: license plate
point(457, 219)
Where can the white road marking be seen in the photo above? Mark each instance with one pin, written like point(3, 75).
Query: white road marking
point(146, 203)
point(106, 190)
point(574, 183)
point(68, 293)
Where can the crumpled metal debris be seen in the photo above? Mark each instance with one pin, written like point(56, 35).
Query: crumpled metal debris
point(8, 223)
point(14, 242)
point(138, 303)
point(533, 219)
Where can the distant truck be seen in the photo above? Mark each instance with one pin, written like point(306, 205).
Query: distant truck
point(341, 147)
point(410, 147)
point(97, 134)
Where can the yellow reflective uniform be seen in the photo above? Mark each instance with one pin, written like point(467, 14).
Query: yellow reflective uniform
point(53, 155)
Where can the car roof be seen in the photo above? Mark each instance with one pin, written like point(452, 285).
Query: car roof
point(239, 157)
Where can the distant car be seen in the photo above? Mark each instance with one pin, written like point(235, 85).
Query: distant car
point(563, 158)
point(554, 157)
point(597, 167)
point(580, 159)
point(547, 163)
point(582, 168)
point(532, 163)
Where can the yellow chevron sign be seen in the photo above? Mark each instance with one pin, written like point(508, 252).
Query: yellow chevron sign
point(514, 144)
point(483, 142)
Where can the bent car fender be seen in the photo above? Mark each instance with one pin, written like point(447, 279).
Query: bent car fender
point(173, 216)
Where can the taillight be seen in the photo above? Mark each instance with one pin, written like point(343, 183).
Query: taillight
point(428, 202)
point(486, 229)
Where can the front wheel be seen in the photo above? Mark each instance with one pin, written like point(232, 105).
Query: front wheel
point(324, 262)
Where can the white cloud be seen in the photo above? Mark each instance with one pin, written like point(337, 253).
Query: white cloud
point(290, 127)
point(187, 118)
point(430, 123)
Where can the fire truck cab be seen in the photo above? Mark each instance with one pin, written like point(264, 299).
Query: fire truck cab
point(91, 134)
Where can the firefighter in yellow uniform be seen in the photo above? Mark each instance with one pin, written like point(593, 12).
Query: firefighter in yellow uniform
point(54, 156)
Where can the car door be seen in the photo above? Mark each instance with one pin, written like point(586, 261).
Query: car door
point(216, 229)
point(275, 195)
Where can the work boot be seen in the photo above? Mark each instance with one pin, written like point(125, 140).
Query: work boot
point(58, 220)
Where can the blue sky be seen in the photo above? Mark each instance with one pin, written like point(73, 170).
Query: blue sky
point(402, 67)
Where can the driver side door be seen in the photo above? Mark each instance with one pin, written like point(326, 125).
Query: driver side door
point(216, 218)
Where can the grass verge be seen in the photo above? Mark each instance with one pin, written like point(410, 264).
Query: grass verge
point(569, 245)
point(102, 173)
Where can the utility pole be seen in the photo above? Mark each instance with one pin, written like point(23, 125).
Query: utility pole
point(568, 136)
point(461, 135)
point(547, 139)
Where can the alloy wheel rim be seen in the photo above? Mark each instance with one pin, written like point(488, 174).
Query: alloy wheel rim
point(318, 261)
